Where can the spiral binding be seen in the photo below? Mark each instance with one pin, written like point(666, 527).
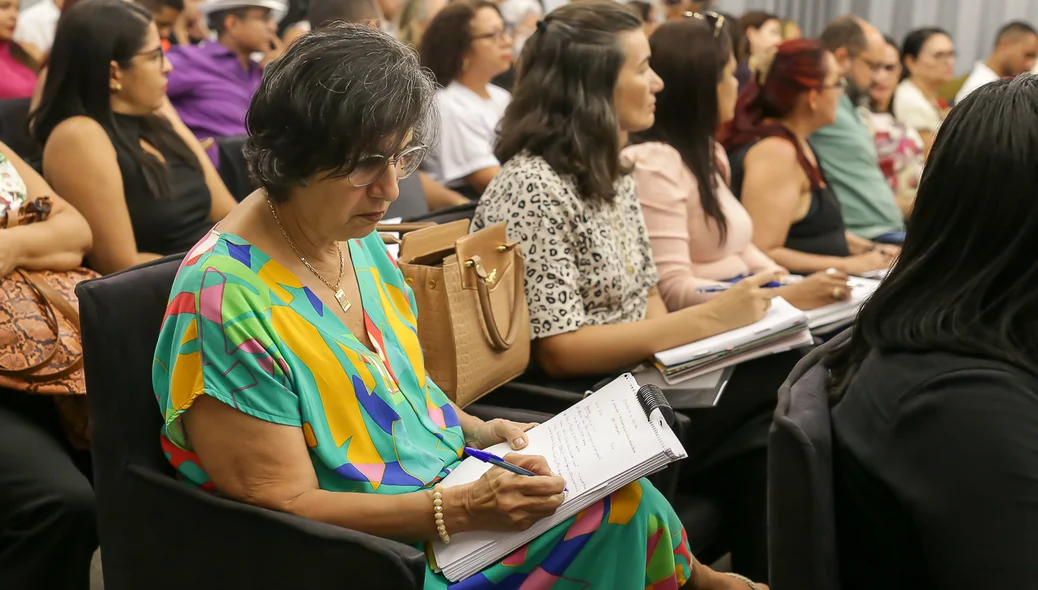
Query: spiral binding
point(651, 398)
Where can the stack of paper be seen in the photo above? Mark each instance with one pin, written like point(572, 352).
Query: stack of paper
point(599, 445)
point(830, 318)
point(783, 328)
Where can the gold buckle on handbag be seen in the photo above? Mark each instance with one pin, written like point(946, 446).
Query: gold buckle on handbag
point(481, 272)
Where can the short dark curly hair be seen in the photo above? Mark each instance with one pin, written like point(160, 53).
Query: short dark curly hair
point(337, 95)
point(449, 36)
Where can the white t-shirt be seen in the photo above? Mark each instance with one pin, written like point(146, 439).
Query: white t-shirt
point(912, 108)
point(980, 76)
point(468, 131)
point(37, 24)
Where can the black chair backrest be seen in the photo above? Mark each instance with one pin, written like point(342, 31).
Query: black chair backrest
point(233, 170)
point(801, 512)
point(411, 203)
point(121, 317)
point(463, 211)
point(14, 115)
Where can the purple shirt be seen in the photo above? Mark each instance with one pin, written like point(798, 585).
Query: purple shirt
point(210, 89)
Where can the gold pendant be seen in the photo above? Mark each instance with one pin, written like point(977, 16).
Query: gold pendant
point(630, 269)
point(343, 302)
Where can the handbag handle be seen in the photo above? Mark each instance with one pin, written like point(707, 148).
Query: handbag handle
point(519, 297)
point(49, 300)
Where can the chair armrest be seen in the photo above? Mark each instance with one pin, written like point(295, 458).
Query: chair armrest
point(205, 541)
point(487, 412)
point(535, 398)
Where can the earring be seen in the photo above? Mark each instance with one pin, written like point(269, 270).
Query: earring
point(116, 86)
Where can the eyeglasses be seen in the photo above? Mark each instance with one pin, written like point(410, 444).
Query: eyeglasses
point(889, 68)
point(943, 55)
point(153, 54)
point(498, 35)
point(370, 168)
point(840, 84)
point(711, 18)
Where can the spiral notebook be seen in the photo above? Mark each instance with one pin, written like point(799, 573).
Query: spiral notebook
point(782, 329)
point(599, 445)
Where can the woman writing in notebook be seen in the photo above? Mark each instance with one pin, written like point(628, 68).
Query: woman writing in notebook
point(585, 83)
point(289, 371)
point(701, 235)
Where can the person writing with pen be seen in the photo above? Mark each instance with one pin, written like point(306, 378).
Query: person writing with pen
point(288, 368)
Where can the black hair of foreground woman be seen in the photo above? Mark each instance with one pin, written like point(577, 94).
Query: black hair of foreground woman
point(936, 393)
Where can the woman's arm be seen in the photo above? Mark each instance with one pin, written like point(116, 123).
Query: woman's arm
point(79, 162)
point(773, 184)
point(480, 179)
point(438, 196)
point(222, 200)
point(268, 465)
point(597, 350)
point(58, 243)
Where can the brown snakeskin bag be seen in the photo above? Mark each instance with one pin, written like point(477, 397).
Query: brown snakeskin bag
point(40, 349)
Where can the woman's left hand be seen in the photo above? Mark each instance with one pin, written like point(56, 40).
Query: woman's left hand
point(499, 430)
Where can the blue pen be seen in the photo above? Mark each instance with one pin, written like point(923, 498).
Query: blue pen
point(495, 460)
point(720, 288)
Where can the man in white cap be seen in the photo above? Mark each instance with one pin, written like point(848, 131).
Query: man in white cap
point(212, 84)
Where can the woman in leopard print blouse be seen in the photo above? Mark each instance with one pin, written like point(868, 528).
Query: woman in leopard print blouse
point(591, 285)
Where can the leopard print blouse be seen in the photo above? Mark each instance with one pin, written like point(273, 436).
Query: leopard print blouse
point(588, 262)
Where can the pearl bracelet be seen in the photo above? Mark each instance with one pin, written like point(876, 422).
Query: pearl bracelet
point(749, 582)
point(441, 528)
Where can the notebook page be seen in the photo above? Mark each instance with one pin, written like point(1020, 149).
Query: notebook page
point(604, 435)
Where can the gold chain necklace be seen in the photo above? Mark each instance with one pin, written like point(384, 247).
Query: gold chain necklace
point(340, 297)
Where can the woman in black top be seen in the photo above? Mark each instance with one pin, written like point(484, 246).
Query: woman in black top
point(141, 180)
point(796, 217)
point(936, 394)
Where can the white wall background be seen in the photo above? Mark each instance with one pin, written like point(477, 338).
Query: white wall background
point(972, 23)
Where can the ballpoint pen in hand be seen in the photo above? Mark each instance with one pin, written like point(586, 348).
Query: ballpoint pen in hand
point(721, 288)
point(498, 461)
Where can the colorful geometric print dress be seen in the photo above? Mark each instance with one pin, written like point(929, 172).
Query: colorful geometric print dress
point(242, 329)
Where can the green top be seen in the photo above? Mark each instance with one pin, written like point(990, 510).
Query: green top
point(846, 152)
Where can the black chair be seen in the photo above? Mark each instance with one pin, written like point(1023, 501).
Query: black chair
point(14, 116)
point(233, 170)
point(463, 211)
point(158, 533)
point(801, 513)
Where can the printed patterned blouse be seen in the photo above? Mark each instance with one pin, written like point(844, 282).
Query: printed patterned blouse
point(242, 329)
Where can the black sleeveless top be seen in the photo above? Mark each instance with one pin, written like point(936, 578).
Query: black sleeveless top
point(163, 225)
point(821, 231)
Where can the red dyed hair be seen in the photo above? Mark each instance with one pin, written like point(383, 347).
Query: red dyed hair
point(799, 66)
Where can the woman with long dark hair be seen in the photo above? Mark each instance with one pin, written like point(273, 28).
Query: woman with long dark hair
point(142, 181)
point(796, 218)
point(567, 195)
point(759, 34)
point(701, 236)
point(936, 393)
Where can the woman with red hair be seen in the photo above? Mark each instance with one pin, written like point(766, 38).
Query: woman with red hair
point(796, 217)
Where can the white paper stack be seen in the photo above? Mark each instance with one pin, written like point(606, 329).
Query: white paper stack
point(830, 318)
point(783, 328)
point(599, 445)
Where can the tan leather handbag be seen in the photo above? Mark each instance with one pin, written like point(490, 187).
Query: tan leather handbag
point(473, 322)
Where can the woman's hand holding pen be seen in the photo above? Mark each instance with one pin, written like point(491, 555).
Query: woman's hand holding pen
point(740, 305)
point(817, 290)
point(504, 501)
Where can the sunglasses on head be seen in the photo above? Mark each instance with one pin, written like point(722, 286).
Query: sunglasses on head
point(711, 18)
